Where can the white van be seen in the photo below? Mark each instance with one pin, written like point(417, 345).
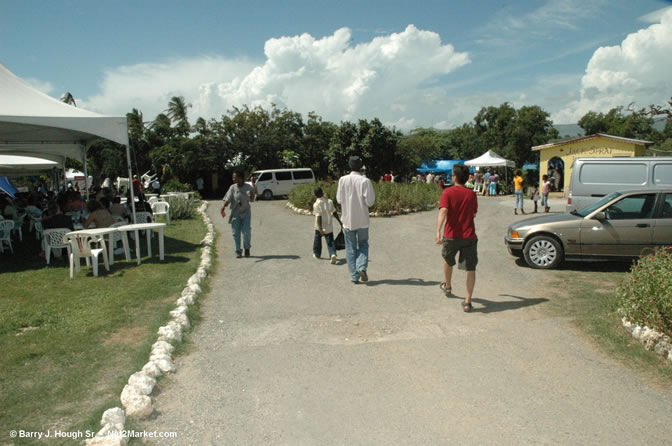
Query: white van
point(593, 178)
point(273, 182)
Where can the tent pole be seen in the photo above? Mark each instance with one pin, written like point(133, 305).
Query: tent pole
point(86, 173)
point(130, 181)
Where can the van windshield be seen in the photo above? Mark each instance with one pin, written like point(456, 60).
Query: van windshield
point(598, 204)
point(255, 176)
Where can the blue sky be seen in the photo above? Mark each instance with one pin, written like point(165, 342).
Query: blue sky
point(409, 63)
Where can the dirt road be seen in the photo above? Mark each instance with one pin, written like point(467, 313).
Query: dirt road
point(290, 352)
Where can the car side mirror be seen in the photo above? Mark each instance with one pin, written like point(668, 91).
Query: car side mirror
point(600, 216)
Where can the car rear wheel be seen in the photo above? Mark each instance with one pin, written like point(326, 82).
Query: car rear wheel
point(267, 194)
point(543, 252)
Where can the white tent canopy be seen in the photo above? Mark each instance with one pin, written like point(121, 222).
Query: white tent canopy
point(490, 159)
point(14, 166)
point(37, 125)
point(32, 122)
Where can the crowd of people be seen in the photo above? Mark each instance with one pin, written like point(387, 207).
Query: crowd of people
point(69, 208)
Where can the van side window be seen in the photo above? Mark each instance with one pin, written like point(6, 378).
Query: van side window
point(302, 174)
point(632, 207)
point(613, 173)
point(266, 176)
point(662, 175)
point(283, 176)
point(667, 207)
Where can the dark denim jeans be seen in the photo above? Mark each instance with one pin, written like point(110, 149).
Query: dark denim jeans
point(317, 243)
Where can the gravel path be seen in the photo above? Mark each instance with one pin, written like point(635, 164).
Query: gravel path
point(290, 352)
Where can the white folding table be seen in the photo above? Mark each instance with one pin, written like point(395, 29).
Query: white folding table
point(147, 227)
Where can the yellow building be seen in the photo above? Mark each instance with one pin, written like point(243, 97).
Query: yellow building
point(560, 155)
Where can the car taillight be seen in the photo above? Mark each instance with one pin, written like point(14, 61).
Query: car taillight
point(569, 199)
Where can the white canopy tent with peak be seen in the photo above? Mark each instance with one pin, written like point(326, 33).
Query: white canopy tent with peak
point(36, 125)
point(491, 159)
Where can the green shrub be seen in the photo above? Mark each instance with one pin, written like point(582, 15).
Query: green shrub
point(390, 197)
point(645, 297)
point(181, 208)
point(175, 186)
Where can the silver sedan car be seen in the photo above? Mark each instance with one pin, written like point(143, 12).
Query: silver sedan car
point(621, 226)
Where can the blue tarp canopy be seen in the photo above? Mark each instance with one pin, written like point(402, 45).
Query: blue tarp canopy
point(531, 166)
point(443, 166)
point(7, 187)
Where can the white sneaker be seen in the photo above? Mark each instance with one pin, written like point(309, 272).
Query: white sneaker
point(316, 257)
point(333, 259)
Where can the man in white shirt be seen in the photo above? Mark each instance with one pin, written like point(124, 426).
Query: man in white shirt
point(355, 194)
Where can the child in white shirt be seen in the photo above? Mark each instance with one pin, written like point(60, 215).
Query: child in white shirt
point(324, 210)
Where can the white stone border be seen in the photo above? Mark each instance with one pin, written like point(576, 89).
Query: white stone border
point(135, 397)
point(371, 214)
point(650, 338)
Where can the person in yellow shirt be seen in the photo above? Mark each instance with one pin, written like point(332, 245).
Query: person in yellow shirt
point(518, 183)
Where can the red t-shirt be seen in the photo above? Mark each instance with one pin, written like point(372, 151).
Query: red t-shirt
point(462, 205)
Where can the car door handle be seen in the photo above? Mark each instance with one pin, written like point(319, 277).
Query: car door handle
point(643, 225)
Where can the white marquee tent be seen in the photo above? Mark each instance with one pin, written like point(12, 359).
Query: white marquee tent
point(14, 166)
point(36, 125)
point(490, 159)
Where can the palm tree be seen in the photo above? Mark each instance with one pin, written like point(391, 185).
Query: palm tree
point(68, 99)
point(177, 109)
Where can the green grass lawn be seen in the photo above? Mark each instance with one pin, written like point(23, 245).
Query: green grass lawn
point(67, 347)
point(586, 293)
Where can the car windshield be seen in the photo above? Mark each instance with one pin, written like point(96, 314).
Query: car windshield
point(593, 207)
point(255, 176)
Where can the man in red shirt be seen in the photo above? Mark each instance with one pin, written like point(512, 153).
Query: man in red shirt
point(457, 209)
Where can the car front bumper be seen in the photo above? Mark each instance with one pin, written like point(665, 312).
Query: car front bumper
point(514, 245)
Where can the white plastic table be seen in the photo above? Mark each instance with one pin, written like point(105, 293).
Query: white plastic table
point(147, 227)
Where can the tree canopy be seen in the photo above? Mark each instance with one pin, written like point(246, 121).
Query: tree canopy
point(257, 138)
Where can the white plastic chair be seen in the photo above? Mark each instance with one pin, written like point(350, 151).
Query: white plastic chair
point(117, 237)
point(6, 227)
point(18, 225)
point(152, 200)
point(143, 217)
point(39, 229)
point(161, 208)
point(81, 246)
point(54, 239)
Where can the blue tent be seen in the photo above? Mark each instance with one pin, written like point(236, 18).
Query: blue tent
point(531, 166)
point(7, 187)
point(442, 166)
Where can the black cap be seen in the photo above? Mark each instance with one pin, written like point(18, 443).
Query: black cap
point(355, 162)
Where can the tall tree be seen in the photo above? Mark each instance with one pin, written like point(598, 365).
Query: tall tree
point(617, 122)
point(316, 138)
point(177, 113)
point(512, 133)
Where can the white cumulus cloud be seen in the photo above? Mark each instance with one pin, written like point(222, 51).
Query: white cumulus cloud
point(636, 71)
point(384, 78)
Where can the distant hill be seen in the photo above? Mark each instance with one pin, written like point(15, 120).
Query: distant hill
point(570, 130)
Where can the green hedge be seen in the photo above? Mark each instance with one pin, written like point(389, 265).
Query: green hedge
point(182, 208)
point(390, 197)
point(645, 297)
point(175, 186)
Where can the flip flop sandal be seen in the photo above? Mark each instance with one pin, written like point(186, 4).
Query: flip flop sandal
point(466, 307)
point(448, 291)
